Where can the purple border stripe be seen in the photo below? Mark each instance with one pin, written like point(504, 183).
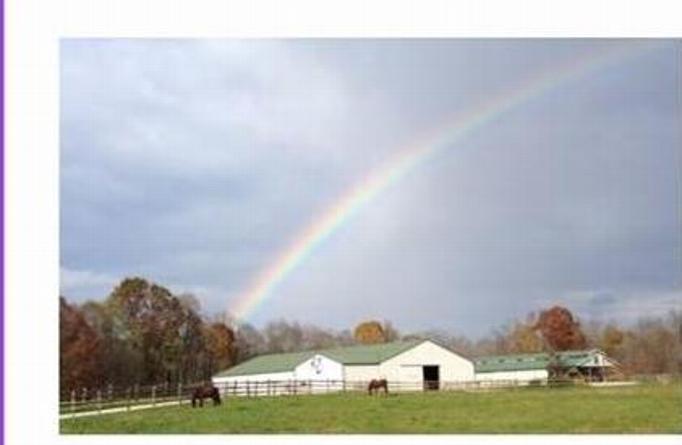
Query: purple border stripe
point(2, 222)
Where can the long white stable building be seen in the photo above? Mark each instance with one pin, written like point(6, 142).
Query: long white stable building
point(591, 365)
point(406, 365)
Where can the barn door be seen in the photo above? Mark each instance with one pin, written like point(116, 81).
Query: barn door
point(431, 377)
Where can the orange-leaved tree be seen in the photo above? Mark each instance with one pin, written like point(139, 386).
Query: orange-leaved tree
point(220, 345)
point(78, 349)
point(560, 330)
point(369, 332)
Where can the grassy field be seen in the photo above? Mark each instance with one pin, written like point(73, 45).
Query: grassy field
point(638, 409)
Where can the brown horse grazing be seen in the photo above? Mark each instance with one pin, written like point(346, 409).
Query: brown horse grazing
point(376, 384)
point(203, 392)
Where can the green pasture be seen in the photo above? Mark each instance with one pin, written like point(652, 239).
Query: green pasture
point(638, 409)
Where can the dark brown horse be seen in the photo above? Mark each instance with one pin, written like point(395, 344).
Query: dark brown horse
point(203, 392)
point(376, 384)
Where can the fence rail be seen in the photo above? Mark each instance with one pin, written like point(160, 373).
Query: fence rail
point(108, 397)
point(102, 399)
point(254, 388)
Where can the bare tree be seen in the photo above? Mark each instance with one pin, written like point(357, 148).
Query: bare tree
point(283, 336)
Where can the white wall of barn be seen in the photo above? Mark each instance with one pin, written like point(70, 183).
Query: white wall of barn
point(521, 376)
point(407, 367)
point(257, 383)
point(319, 367)
point(288, 375)
point(361, 373)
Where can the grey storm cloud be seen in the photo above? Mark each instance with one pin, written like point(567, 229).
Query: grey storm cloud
point(196, 162)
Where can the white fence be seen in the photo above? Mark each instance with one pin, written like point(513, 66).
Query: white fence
point(110, 397)
point(252, 388)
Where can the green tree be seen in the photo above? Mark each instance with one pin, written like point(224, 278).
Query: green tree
point(152, 321)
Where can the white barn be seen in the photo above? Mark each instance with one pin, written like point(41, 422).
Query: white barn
point(412, 365)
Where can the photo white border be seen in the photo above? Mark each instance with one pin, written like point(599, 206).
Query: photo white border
point(33, 30)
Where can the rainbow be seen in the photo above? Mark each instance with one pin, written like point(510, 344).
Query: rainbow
point(413, 155)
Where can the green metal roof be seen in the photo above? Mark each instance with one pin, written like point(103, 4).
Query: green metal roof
point(349, 355)
point(369, 354)
point(522, 362)
point(265, 364)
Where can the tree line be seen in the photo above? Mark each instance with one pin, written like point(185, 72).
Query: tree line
point(141, 333)
point(144, 334)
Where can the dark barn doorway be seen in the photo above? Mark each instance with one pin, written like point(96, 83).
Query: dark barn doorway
point(431, 378)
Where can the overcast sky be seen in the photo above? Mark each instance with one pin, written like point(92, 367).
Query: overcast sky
point(195, 162)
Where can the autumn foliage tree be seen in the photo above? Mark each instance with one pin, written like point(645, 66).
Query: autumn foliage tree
point(611, 340)
point(653, 346)
point(369, 332)
point(151, 318)
point(560, 330)
point(523, 338)
point(78, 348)
point(141, 334)
point(120, 363)
point(220, 345)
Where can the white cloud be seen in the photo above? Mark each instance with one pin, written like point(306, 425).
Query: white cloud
point(85, 283)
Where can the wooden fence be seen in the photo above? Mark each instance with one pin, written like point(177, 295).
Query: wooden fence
point(258, 388)
point(101, 399)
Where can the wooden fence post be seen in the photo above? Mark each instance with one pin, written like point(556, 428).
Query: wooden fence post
point(73, 402)
point(179, 393)
point(110, 392)
point(248, 389)
point(99, 401)
point(135, 392)
point(269, 387)
point(153, 395)
point(128, 397)
point(343, 385)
